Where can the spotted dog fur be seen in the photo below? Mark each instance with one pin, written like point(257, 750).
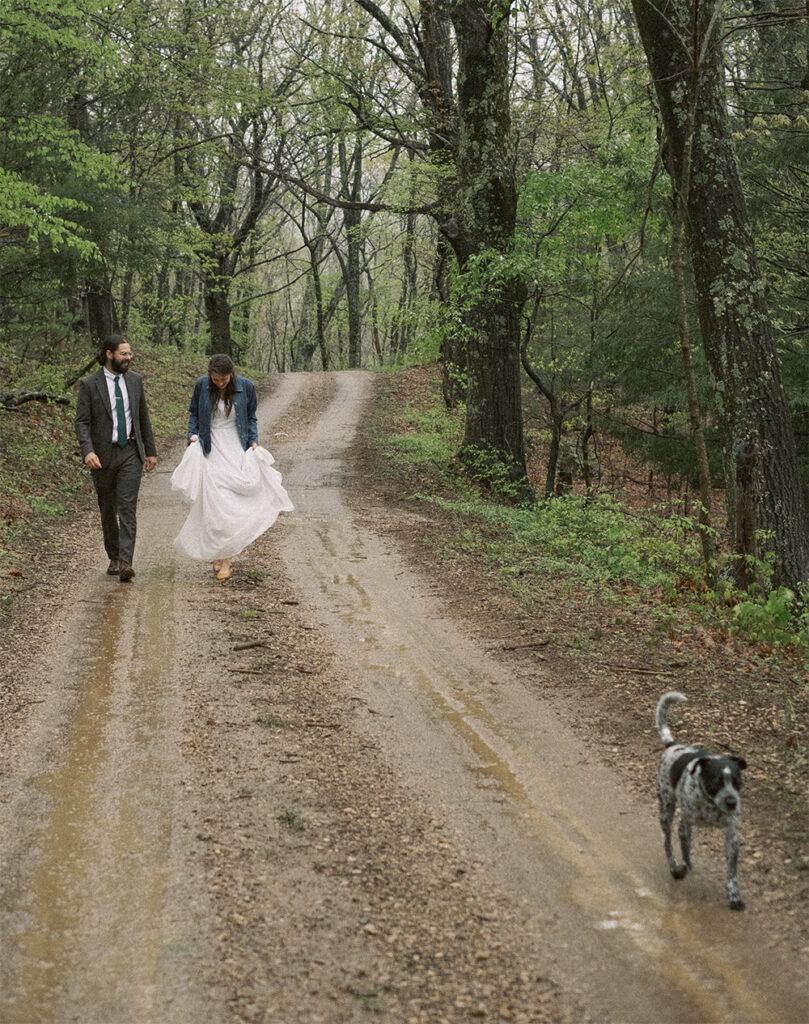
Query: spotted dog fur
point(706, 787)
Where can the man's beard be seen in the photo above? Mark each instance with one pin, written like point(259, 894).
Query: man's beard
point(118, 367)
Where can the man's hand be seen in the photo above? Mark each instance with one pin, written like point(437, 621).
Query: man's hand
point(150, 463)
point(92, 461)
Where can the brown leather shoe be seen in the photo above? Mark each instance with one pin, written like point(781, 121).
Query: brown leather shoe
point(114, 567)
point(125, 572)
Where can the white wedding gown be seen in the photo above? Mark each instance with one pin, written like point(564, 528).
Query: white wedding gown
point(235, 495)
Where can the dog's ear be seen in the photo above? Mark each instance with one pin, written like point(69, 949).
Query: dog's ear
point(740, 761)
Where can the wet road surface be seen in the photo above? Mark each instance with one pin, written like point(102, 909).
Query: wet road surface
point(95, 908)
point(549, 822)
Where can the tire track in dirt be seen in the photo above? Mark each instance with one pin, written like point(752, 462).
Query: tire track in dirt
point(458, 848)
point(176, 734)
point(551, 825)
point(93, 885)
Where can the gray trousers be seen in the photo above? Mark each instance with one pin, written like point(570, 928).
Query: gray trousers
point(117, 486)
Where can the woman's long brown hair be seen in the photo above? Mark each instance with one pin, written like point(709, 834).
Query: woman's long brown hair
point(222, 364)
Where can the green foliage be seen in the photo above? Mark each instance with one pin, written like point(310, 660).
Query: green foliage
point(28, 210)
point(292, 818)
point(487, 469)
point(600, 544)
point(779, 619)
point(594, 542)
point(48, 171)
point(777, 622)
point(425, 437)
point(603, 331)
point(424, 182)
point(427, 346)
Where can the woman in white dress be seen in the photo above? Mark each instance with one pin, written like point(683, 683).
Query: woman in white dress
point(234, 491)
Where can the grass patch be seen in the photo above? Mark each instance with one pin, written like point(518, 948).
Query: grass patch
point(292, 819)
point(421, 436)
point(593, 542)
point(615, 551)
point(428, 437)
point(274, 722)
point(39, 471)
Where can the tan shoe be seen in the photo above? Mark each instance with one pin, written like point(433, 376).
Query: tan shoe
point(217, 564)
point(225, 571)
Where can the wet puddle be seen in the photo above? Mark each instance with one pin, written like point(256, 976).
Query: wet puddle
point(91, 945)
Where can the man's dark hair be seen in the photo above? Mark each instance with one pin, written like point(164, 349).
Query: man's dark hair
point(110, 344)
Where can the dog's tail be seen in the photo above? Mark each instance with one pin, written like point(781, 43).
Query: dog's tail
point(662, 715)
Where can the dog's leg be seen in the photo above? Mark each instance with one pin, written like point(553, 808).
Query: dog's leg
point(732, 857)
point(685, 845)
point(667, 807)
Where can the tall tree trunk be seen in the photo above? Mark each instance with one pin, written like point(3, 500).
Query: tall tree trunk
point(159, 302)
point(217, 313)
point(473, 136)
point(126, 298)
point(98, 310)
point(401, 330)
point(485, 218)
point(352, 222)
point(313, 327)
point(373, 307)
point(453, 344)
point(353, 274)
point(767, 516)
point(586, 464)
point(694, 413)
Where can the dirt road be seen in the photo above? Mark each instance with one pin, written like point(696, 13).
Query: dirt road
point(307, 795)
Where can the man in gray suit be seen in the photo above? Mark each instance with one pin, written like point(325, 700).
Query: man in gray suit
point(115, 435)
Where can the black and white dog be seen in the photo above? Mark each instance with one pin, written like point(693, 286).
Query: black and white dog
point(706, 786)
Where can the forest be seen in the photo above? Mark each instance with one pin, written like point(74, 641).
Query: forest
point(600, 209)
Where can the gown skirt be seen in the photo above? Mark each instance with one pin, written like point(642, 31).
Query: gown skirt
point(235, 495)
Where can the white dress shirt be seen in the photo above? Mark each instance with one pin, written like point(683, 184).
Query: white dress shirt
point(111, 388)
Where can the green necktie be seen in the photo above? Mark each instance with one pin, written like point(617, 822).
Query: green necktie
point(120, 415)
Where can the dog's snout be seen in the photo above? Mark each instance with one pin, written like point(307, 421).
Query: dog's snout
point(731, 802)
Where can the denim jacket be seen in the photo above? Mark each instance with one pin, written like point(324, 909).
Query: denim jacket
point(244, 409)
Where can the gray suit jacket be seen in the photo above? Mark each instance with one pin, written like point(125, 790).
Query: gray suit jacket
point(94, 416)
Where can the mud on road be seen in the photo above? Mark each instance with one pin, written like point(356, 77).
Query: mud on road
point(309, 794)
